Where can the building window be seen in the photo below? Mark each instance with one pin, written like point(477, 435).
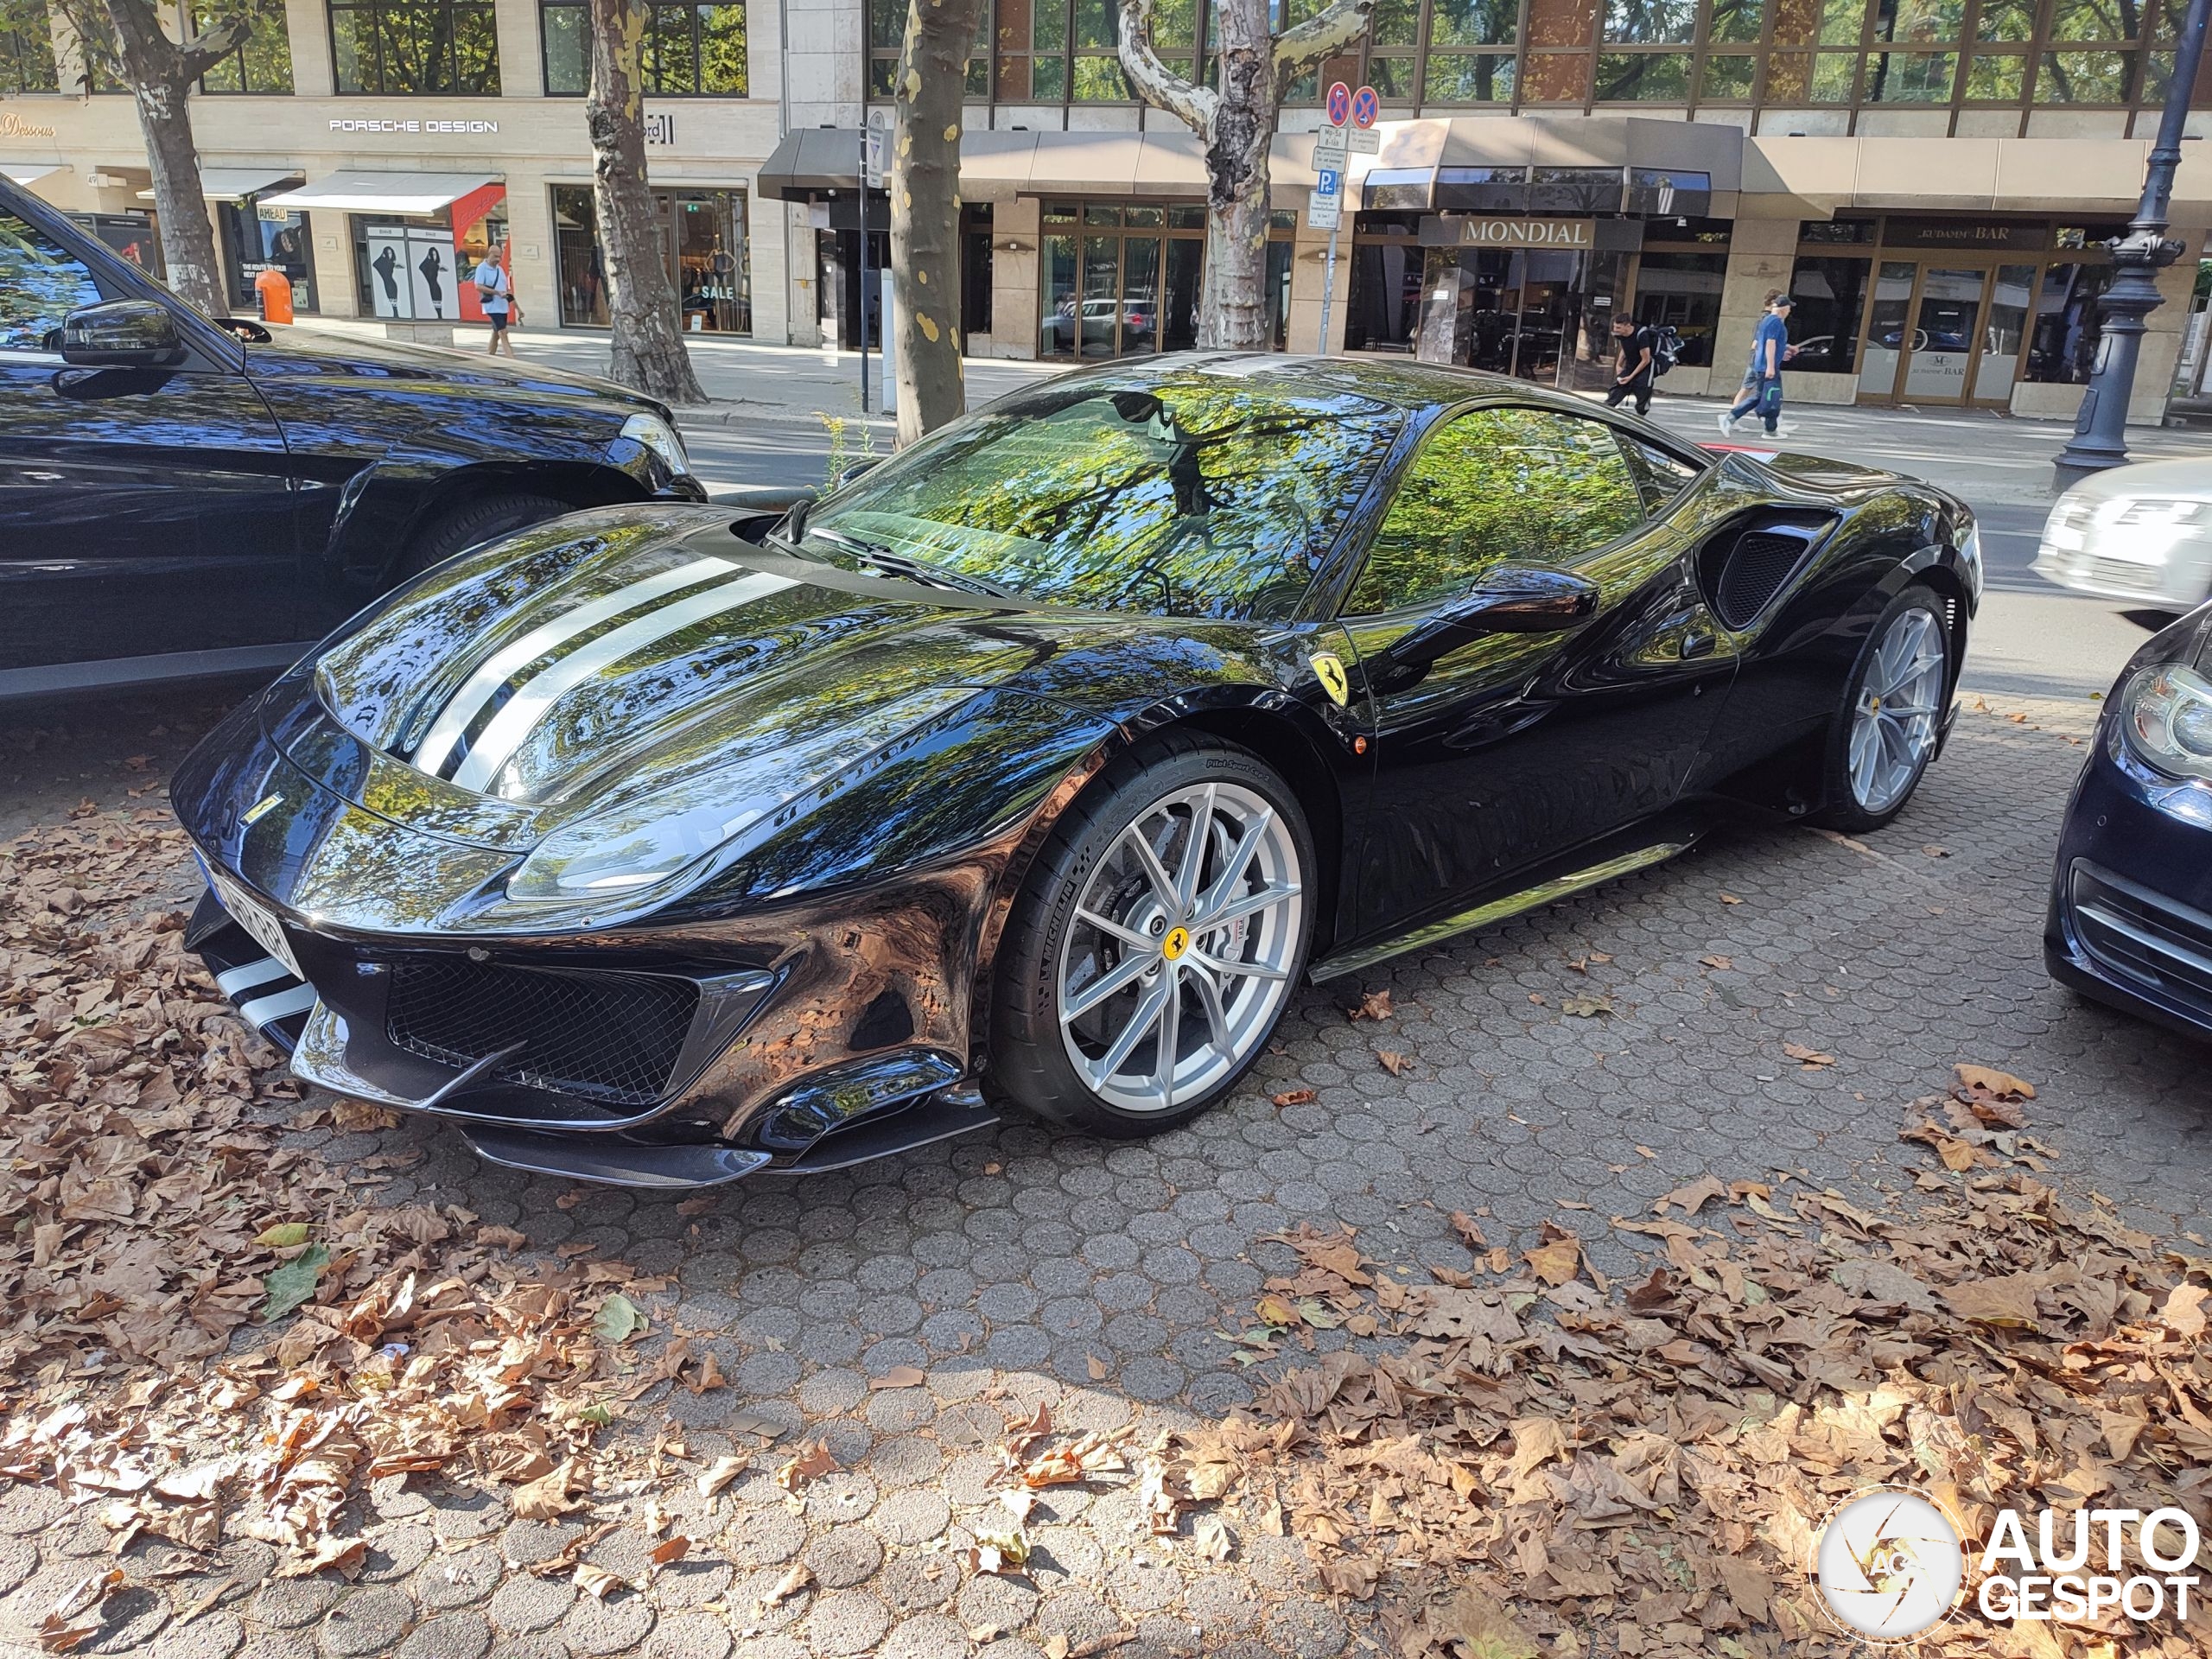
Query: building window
point(1831, 295)
point(27, 62)
point(262, 64)
point(415, 45)
point(257, 239)
point(1682, 291)
point(703, 244)
point(689, 51)
point(2069, 322)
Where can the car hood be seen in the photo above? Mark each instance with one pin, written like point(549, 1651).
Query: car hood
point(580, 666)
point(304, 350)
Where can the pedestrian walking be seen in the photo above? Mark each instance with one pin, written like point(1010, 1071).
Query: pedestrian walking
point(1770, 349)
point(496, 294)
point(1633, 372)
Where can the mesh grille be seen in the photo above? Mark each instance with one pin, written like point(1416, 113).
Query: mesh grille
point(1757, 567)
point(610, 1037)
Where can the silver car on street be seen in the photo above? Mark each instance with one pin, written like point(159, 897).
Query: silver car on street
point(2141, 535)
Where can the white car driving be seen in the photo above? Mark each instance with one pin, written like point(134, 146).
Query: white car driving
point(2141, 535)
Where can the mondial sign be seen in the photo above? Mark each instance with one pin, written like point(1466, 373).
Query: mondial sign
point(1505, 232)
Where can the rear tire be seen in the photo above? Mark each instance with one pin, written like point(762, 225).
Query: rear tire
point(473, 519)
point(1892, 719)
point(1136, 987)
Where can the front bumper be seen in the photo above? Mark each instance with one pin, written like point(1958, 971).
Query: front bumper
point(2130, 919)
point(2152, 574)
point(799, 1037)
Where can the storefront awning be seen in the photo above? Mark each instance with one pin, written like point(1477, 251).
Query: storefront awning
point(1159, 162)
point(31, 172)
point(415, 195)
point(229, 183)
point(1426, 164)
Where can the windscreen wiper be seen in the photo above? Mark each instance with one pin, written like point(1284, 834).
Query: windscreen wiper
point(877, 556)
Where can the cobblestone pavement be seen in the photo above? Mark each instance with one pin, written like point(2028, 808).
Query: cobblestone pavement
point(1018, 1264)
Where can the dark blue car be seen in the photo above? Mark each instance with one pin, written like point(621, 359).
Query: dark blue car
point(183, 496)
point(2131, 903)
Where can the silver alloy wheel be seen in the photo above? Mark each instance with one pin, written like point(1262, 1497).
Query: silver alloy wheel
point(1181, 948)
point(1893, 723)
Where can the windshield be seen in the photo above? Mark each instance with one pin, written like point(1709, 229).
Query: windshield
point(1200, 499)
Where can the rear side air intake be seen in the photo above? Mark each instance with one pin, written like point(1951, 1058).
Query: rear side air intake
point(1748, 567)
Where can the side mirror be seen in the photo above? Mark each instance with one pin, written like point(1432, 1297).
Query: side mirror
point(1512, 599)
point(122, 334)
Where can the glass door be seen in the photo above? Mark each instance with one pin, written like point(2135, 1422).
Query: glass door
point(2010, 304)
point(1888, 309)
point(1946, 334)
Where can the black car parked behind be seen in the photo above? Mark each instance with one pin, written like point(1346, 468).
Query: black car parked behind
point(181, 497)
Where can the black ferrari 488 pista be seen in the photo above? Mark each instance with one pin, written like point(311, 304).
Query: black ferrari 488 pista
point(1041, 763)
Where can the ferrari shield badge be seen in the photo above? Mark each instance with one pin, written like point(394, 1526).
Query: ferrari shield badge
point(1330, 670)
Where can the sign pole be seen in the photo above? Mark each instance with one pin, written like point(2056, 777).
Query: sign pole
point(1328, 289)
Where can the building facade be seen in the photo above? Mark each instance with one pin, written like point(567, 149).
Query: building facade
point(1930, 178)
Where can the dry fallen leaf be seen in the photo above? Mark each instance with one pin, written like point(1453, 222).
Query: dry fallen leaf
point(1730, 899)
point(1812, 1058)
point(901, 1376)
point(1211, 1536)
point(719, 1473)
point(670, 1550)
point(795, 1579)
point(1396, 1064)
point(1375, 1005)
point(1292, 1097)
point(1096, 1367)
point(811, 1463)
point(1557, 1258)
point(598, 1582)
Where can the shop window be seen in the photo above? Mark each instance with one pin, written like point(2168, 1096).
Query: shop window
point(689, 51)
point(257, 239)
point(27, 62)
point(1682, 291)
point(705, 246)
point(1839, 229)
point(1464, 190)
point(1831, 295)
point(1643, 77)
point(2069, 323)
point(415, 45)
point(1382, 295)
point(263, 63)
point(1910, 76)
point(419, 268)
point(1575, 190)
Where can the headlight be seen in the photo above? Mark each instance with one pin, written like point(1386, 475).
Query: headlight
point(656, 837)
point(2155, 512)
point(660, 437)
point(2166, 715)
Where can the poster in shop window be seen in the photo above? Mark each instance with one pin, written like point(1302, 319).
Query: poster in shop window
point(413, 273)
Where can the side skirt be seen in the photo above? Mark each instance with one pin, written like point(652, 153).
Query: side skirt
point(1499, 909)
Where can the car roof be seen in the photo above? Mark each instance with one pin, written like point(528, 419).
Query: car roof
point(1401, 383)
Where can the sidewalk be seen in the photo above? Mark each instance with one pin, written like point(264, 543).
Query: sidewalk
point(749, 381)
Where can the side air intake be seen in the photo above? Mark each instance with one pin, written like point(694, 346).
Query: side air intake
point(1746, 567)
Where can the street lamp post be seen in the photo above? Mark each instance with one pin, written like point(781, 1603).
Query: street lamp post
point(2100, 437)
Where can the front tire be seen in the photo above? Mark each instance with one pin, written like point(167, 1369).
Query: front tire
point(1157, 942)
point(474, 519)
point(1892, 715)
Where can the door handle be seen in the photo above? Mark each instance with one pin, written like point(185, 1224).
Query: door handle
point(1697, 644)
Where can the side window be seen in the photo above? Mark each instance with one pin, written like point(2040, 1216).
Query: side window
point(1662, 474)
point(41, 282)
point(1497, 486)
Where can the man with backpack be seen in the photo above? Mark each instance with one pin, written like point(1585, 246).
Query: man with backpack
point(1638, 364)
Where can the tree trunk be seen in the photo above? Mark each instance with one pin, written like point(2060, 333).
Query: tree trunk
point(926, 212)
point(1237, 122)
point(160, 74)
point(648, 349)
point(1233, 310)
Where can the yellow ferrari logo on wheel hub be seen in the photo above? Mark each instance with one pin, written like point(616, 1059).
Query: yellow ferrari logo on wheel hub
point(1177, 942)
